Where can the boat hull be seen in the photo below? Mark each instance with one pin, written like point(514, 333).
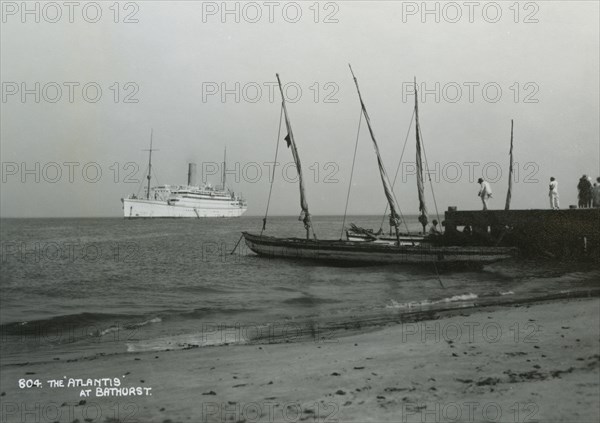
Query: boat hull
point(141, 208)
point(371, 253)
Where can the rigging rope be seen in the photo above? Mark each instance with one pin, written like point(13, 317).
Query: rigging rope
point(142, 182)
point(351, 174)
point(437, 273)
point(398, 168)
point(156, 177)
point(264, 226)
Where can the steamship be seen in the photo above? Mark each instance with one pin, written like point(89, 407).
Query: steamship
point(181, 201)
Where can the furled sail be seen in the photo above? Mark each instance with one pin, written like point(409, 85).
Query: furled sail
point(510, 170)
point(419, 162)
point(387, 188)
point(291, 143)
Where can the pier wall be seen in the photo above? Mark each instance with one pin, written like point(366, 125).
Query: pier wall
point(569, 233)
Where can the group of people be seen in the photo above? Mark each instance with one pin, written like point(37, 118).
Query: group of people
point(588, 194)
point(589, 197)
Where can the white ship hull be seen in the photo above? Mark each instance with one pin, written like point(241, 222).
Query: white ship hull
point(141, 208)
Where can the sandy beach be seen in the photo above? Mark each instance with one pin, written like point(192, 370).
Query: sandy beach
point(535, 362)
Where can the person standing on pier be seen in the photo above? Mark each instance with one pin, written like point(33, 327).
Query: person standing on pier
point(553, 194)
point(585, 192)
point(596, 194)
point(485, 192)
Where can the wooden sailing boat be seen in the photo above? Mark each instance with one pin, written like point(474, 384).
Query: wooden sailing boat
point(363, 252)
point(359, 234)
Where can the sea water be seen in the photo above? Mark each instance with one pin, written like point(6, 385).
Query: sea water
point(79, 287)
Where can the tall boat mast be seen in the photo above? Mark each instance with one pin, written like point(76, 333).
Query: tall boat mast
point(224, 177)
point(394, 216)
point(291, 143)
point(149, 166)
point(419, 163)
point(510, 170)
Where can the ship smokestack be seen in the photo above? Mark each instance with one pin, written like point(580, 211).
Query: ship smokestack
point(192, 174)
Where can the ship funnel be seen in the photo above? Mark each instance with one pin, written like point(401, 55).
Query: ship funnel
point(192, 174)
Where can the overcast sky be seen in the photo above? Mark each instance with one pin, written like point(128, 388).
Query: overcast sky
point(166, 69)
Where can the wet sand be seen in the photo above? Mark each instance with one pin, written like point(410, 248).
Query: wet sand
point(535, 362)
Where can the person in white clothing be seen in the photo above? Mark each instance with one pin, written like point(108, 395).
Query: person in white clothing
point(485, 192)
point(553, 194)
point(596, 194)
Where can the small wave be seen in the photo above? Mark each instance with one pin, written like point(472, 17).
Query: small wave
point(409, 305)
point(116, 328)
point(63, 322)
point(425, 303)
point(109, 330)
point(77, 325)
point(507, 293)
point(100, 324)
point(144, 323)
point(464, 297)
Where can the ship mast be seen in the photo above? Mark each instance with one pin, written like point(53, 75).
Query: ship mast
point(224, 177)
point(149, 166)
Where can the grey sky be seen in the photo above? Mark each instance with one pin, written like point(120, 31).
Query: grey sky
point(175, 54)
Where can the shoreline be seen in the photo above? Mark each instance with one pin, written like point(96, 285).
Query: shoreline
point(299, 331)
point(518, 361)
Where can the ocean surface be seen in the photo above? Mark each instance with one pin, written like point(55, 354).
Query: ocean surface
point(79, 287)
